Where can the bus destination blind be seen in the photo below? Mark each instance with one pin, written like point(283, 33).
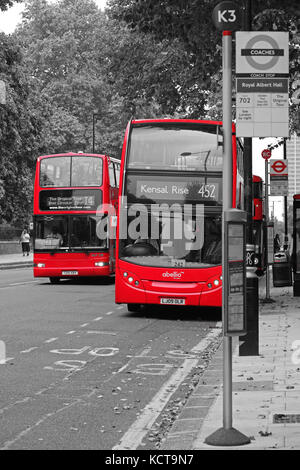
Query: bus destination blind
point(70, 199)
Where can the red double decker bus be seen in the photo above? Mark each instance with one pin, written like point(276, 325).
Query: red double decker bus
point(259, 224)
point(71, 195)
point(170, 212)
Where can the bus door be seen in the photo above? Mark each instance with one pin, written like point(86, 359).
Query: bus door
point(296, 244)
point(111, 234)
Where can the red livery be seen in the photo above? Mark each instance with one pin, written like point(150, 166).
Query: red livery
point(72, 196)
point(169, 233)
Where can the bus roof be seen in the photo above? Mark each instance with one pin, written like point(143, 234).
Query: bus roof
point(256, 179)
point(72, 154)
point(170, 120)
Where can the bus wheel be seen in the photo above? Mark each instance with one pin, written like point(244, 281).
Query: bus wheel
point(54, 280)
point(133, 307)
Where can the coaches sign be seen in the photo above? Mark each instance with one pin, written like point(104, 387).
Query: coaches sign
point(262, 65)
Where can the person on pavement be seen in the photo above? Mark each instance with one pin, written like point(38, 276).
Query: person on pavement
point(25, 242)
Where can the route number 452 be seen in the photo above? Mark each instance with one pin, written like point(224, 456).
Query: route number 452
point(207, 191)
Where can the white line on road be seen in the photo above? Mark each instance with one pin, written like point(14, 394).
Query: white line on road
point(71, 332)
point(137, 431)
point(109, 313)
point(21, 283)
point(120, 307)
point(51, 340)
point(97, 319)
point(28, 350)
point(5, 361)
point(99, 332)
point(83, 325)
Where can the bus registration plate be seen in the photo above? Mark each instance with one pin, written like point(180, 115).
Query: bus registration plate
point(69, 273)
point(172, 301)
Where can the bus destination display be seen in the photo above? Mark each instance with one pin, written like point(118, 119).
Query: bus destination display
point(70, 199)
point(178, 190)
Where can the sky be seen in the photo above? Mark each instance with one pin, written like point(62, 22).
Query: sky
point(8, 22)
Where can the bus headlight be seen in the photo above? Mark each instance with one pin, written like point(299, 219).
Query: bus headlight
point(101, 263)
point(40, 265)
point(216, 282)
point(132, 279)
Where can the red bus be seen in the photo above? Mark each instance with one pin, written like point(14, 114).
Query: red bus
point(258, 224)
point(170, 212)
point(71, 193)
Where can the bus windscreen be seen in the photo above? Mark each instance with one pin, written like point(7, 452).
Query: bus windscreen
point(71, 171)
point(189, 147)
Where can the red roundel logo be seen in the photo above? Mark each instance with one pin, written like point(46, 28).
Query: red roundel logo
point(279, 166)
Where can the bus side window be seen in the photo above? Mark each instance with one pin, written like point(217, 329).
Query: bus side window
point(112, 174)
point(117, 168)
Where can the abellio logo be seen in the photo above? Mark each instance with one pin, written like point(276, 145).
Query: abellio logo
point(174, 274)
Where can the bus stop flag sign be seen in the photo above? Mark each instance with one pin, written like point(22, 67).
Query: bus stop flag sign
point(262, 66)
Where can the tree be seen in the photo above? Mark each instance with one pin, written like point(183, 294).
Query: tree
point(19, 135)
point(189, 23)
point(5, 4)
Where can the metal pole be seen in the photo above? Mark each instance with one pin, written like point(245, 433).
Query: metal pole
point(267, 225)
point(227, 435)
point(94, 119)
point(286, 238)
point(227, 204)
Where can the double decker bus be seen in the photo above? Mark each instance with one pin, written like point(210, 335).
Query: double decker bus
point(71, 194)
point(170, 213)
point(259, 224)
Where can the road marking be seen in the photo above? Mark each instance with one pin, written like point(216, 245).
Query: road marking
point(97, 319)
point(120, 307)
point(5, 361)
point(51, 340)
point(138, 430)
point(99, 332)
point(70, 351)
point(28, 350)
point(83, 325)
point(21, 283)
point(69, 365)
point(109, 313)
point(71, 332)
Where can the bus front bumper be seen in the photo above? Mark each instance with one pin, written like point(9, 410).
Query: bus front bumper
point(165, 292)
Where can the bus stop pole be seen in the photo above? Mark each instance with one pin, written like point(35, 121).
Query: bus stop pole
point(227, 435)
point(267, 225)
point(286, 238)
point(227, 204)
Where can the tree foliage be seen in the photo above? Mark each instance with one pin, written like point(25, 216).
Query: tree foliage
point(19, 134)
point(189, 23)
point(5, 4)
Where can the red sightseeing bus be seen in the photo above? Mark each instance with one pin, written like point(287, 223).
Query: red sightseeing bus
point(71, 194)
point(259, 225)
point(170, 212)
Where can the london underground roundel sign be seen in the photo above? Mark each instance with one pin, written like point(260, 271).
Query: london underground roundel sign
point(278, 167)
point(266, 154)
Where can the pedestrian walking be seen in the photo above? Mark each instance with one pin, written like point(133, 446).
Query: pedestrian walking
point(277, 243)
point(25, 241)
